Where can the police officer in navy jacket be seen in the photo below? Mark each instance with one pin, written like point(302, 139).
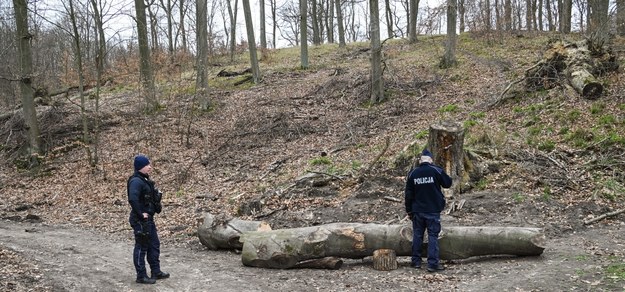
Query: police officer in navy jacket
point(145, 201)
point(425, 201)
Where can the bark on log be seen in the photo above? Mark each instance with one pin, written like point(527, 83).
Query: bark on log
point(446, 142)
point(330, 263)
point(579, 62)
point(384, 260)
point(284, 248)
point(216, 233)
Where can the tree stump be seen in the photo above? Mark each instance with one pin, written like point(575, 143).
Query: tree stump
point(446, 142)
point(384, 260)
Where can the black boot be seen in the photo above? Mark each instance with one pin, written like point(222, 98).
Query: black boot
point(146, 280)
point(160, 275)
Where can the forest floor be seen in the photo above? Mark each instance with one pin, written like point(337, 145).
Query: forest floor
point(304, 147)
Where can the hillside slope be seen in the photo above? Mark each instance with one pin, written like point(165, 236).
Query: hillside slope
point(547, 159)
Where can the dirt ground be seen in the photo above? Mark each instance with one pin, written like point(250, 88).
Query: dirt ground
point(72, 259)
point(305, 148)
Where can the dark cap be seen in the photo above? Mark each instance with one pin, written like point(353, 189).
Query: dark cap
point(141, 161)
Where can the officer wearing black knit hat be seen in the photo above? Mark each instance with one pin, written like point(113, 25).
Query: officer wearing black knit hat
point(424, 202)
point(145, 201)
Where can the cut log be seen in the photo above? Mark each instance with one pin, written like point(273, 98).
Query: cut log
point(579, 62)
point(384, 260)
point(585, 83)
point(217, 233)
point(284, 248)
point(446, 142)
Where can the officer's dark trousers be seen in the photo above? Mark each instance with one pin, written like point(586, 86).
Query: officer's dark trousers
point(420, 223)
point(145, 246)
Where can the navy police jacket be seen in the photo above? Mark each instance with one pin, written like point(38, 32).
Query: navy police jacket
point(140, 194)
point(423, 189)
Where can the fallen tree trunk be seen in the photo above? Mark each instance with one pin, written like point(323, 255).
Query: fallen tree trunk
point(284, 248)
point(218, 233)
point(579, 63)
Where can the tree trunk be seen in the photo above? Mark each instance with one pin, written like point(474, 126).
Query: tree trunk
point(183, 32)
point(620, 17)
point(412, 21)
point(251, 41)
point(330, 21)
point(147, 79)
point(565, 16)
point(315, 23)
point(389, 19)
point(446, 142)
point(26, 79)
point(384, 260)
point(339, 20)
point(487, 15)
point(303, 11)
point(233, 27)
point(598, 21)
point(507, 11)
point(100, 59)
point(449, 59)
point(263, 32)
point(201, 76)
point(217, 233)
point(461, 10)
point(81, 81)
point(284, 248)
point(377, 83)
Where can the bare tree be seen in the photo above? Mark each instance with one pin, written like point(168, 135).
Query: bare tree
point(565, 15)
point(303, 10)
point(314, 18)
point(377, 83)
point(528, 15)
point(153, 25)
point(201, 81)
point(598, 21)
point(233, 26)
point(412, 21)
point(290, 17)
point(182, 8)
point(339, 20)
point(147, 79)
point(620, 17)
point(461, 15)
point(26, 88)
point(330, 21)
point(507, 12)
point(251, 41)
point(487, 15)
point(81, 80)
point(550, 23)
point(263, 32)
point(449, 59)
point(389, 18)
point(274, 26)
point(100, 65)
point(168, 7)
